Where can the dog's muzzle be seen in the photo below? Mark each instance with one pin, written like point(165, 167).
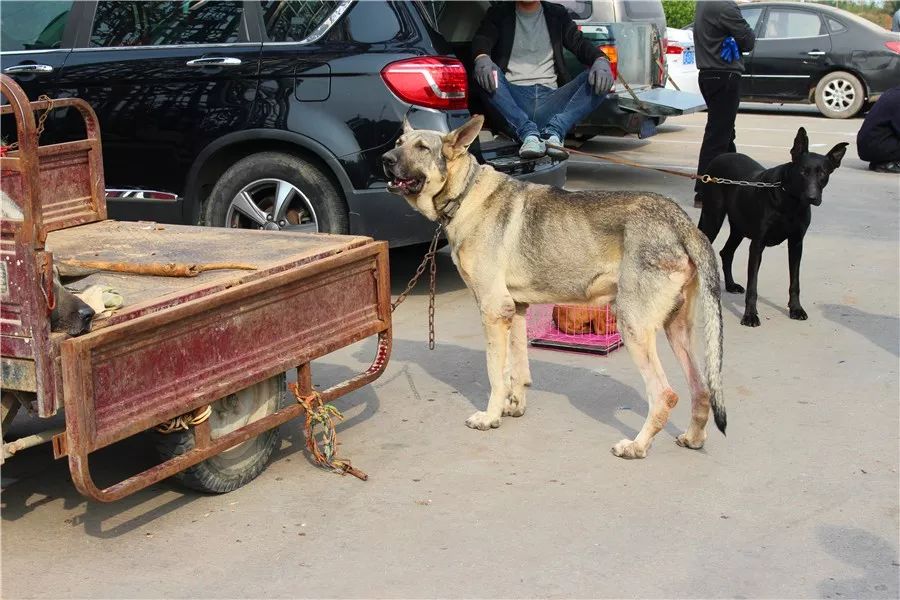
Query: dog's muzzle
point(399, 183)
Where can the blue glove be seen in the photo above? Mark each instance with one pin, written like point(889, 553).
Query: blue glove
point(730, 51)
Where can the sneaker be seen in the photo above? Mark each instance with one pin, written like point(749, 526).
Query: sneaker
point(554, 152)
point(885, 167)
point(532, 147)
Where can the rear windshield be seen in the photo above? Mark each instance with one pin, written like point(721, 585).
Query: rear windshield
point(578, 9)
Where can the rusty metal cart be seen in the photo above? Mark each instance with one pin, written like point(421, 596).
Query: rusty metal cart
point(223, 339)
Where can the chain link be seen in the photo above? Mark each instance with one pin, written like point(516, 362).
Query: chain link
point(42, 120)
point(726, 181)
point(429, 262)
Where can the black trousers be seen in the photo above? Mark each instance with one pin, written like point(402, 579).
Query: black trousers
point(722, 92)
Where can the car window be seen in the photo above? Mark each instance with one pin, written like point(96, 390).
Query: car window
point(577, 9)
point(792, 24)
point(834, 26)
point(150, 23)
point(751, 15)
point(373, 22)
point(295, 20)
point(642, 10)
point(32, 25)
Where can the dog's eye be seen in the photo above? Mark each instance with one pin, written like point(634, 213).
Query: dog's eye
point(399, 141)
point(421, 145)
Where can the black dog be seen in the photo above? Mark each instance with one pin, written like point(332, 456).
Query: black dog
point(768, 216)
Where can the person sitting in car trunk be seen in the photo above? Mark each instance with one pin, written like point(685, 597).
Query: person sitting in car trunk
point(520, 67)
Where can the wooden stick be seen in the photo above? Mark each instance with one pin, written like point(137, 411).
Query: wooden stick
point(157, 269)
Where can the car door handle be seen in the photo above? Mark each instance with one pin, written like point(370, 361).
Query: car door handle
point(815, 53)
point(22, 69)
point(214, 61)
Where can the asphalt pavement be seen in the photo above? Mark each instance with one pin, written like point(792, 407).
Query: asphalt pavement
point(799, 501)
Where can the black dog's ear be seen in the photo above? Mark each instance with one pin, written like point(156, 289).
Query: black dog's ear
point(801, 145)
point(836, 154)
point(406, 126)
point(457, 141)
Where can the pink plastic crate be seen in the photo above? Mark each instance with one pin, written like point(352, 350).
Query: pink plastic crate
point(544, 332)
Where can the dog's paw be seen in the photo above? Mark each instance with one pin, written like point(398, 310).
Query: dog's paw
point(482, 421)
point(685, 442)
point(750, 321)
point(734, 288)
point(514, 406)
point(628, 449)
point(798, 314)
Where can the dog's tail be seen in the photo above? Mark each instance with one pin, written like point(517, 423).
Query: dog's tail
point(709, 291)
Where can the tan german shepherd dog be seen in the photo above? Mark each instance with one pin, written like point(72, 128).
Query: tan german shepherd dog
point(518, 243)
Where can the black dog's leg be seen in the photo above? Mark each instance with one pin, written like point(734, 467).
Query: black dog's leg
point(795, 251)
point(727, 254)
point(751, 317)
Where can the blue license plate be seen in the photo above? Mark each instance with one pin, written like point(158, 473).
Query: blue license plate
point(688, 57)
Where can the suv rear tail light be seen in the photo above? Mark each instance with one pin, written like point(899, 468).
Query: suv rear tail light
point(613, 55)
point(432, 81)
point(893, 46)
point(674, 48)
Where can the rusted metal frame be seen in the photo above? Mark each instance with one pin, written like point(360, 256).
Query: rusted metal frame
point(78, 456)
point(79, 462)
point(27, 156)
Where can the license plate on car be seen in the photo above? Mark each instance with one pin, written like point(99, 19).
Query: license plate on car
point(688, 57)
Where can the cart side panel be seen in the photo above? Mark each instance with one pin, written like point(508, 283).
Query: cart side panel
point(130, 377)
point(67, 192)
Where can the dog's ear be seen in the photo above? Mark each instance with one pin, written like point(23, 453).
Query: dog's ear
point(801, 145)
point(406, 126)
point(457, 141)
point(836, 154)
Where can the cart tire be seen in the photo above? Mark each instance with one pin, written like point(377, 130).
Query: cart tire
point(840, 95)
point(315, 204)
point(236, 466)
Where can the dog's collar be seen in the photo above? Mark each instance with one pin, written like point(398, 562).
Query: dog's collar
point(448, 211)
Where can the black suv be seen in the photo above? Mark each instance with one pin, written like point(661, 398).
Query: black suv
point(270, 114)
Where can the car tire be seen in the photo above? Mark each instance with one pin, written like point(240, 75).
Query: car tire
point(313, 203)
point(229, 470)
point(840, 95)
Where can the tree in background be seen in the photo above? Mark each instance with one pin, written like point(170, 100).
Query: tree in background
point(679, 12)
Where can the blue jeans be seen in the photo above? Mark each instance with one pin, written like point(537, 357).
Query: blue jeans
point(537, 109)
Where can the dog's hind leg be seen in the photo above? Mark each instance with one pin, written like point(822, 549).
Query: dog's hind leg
point(497, 315)
point(679, 332)
point(647, 296)
point(519, 372)
point(727, 254)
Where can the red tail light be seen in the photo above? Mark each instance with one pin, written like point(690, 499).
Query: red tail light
point(432, 81)
point(893, 46)
point(674, 49)
point(613, 55)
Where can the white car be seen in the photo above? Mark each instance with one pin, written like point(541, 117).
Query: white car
point(680, 59)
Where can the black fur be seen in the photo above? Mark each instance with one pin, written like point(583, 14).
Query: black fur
point(767, 216)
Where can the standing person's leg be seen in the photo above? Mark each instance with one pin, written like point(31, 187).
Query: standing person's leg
point(721, 91)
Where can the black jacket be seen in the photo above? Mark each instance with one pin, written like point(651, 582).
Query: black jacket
point(496, 32)
point(713, 22)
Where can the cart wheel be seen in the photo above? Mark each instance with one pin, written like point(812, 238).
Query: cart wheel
point(236, 466)
point(276, 191)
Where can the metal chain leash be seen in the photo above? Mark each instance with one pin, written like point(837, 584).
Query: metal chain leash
point(702, 178)
point(42, 120)
point(430, 262)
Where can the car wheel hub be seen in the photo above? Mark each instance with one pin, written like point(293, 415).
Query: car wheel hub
point(839, 94)
point(272, 204)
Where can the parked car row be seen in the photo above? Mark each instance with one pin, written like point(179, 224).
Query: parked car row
point(817, 54)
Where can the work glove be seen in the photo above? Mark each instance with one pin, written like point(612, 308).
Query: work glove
point(486, 73)
point(600, 76)
point(730, 51)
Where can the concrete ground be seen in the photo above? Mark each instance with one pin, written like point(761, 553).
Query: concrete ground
point(800, 500)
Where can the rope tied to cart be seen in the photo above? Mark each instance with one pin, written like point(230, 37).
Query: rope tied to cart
point(320, 414)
